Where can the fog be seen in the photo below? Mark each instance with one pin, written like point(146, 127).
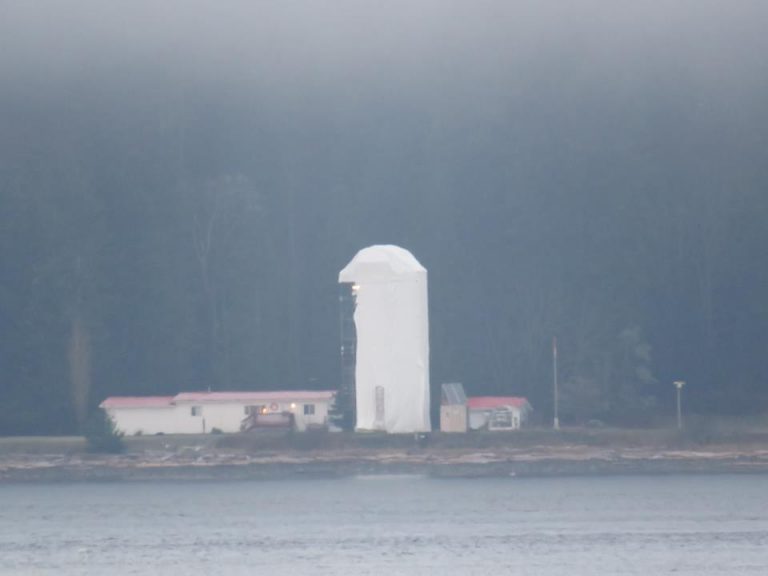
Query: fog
point(180, 184)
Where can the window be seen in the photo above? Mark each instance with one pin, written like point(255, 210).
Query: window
point(257, 409)
point(309, 409)
point(196, 411)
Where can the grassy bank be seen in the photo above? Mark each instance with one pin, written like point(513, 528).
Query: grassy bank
point(698, 434)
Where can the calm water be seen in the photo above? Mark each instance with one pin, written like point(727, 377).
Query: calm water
point(390, 525)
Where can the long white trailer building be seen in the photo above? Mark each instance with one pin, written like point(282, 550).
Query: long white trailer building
point(203, 412)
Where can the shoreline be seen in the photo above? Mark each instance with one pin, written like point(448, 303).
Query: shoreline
point(218, 466)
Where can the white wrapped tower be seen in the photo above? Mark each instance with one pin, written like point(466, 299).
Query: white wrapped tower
point(392, 329)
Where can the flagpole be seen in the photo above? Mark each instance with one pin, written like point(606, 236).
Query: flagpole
point(556, 423)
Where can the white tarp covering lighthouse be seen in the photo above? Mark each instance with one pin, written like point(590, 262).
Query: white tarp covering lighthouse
point(392, 333)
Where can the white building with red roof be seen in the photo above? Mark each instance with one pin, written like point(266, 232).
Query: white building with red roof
point(497, 412)
point(203, 412)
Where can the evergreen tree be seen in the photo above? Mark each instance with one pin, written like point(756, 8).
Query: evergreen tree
point(102, 435)
point(342, 412)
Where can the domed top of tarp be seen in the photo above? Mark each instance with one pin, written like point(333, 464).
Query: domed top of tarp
point(381, 263)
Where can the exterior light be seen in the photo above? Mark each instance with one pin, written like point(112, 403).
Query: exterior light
point(679, 386)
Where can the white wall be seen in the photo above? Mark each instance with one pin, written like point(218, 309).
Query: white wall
point(132, 421)
point(226, 416)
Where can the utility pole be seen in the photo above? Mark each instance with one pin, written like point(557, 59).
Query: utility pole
point(679, 386)
point(556, 423)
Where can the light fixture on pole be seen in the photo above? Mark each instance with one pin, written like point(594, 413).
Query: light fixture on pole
point(679, 386)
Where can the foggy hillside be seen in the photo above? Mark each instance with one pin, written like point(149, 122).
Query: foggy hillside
point(181, 183)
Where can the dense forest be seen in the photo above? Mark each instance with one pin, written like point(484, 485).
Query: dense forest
point(179, 189)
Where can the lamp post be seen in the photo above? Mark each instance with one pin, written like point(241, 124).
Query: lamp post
point(679, 386)
point(556, 420)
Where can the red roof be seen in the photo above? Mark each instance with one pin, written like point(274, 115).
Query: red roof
point(137, 402)
point(491, 402)
point(282, 395)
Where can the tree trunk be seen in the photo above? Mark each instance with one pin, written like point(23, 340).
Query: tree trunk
point(79, 368)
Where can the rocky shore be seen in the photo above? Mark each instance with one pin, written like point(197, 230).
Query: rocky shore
point(204, 463)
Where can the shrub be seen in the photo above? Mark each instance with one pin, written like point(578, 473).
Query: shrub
point(101, 434)
point(342, 411)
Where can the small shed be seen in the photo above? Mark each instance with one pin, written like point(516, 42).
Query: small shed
point(497, 412)
point(453, 408)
